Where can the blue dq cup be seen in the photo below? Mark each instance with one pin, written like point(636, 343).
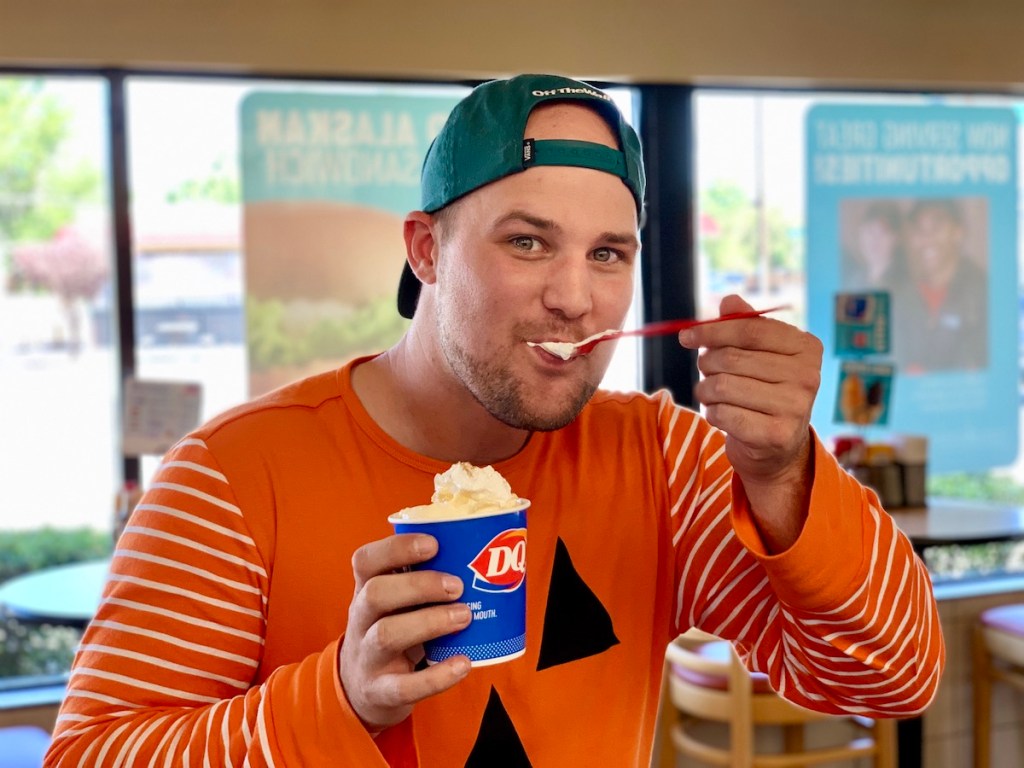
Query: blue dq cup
point(488, 552)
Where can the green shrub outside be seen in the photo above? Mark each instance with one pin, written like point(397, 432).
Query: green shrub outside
point(31, 651)
point(976, 487)
point(279, 339)
point(28, 650)
point(972, 561)
point(24, 551)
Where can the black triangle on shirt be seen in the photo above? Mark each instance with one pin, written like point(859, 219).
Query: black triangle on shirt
point(576, 625)
point(497, 745)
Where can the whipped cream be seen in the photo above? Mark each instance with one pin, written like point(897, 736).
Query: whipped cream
point(464, 490)
point(567, 349)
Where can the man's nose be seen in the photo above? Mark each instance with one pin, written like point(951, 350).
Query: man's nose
point(569, 288)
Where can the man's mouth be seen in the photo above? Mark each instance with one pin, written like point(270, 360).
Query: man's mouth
point(566, 350)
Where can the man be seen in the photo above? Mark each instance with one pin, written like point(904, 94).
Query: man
point(261, 611)
point(941, 317)
point(876, 261)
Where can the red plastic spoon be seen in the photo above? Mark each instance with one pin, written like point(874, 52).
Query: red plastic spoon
point(568, 349)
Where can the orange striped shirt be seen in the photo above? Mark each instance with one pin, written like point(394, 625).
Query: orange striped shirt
point(216, 641)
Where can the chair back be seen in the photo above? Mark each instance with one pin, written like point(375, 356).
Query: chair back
point(705, 681)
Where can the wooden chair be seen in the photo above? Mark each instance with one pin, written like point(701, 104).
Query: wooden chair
point(706, 682)
point(998, 657)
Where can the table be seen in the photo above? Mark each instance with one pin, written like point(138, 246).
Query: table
point(946, 522)
point(66, 595)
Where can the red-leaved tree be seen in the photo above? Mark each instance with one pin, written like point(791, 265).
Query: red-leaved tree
point(70, 266)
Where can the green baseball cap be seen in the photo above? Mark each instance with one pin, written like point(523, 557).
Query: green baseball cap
point(484, 140)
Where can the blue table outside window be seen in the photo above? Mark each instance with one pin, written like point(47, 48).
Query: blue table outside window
point(64, 595)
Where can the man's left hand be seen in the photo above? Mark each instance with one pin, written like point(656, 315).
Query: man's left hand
point(761, 376)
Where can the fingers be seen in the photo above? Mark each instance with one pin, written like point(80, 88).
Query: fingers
point(760, 349)
point(778, 387)
point(391, 554)
point(385, 586)
point(390, 693)
point(757, 396)
point(393, 612)
point(733, 303)
point(390, 593)
point(765, 436)
point(755, 379)
point(760, 378)
point(753, 333)
point(758, 365)
point(391, 636)
point(386, 696)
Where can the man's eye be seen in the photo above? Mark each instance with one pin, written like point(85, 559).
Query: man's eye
point(606, 255)
point(524, 243)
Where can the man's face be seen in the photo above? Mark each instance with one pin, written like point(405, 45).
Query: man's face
point(877, 243)
point(544, 255)
point(935, 240)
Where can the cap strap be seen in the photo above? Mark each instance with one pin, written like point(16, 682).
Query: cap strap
point(583, 154)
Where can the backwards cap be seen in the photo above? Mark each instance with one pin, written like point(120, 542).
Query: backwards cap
point(483, 141)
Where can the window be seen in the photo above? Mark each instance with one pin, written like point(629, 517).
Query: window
point(59, 459)
point(755, 236)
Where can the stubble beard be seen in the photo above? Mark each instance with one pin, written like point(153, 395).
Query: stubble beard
point(494, 385)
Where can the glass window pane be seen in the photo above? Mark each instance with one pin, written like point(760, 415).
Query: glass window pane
point(625, 370)
point(752, 222)
point(59, 463)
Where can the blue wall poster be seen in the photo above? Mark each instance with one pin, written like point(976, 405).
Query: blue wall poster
point(862, 324)
point(921, 202)
point(864, 393)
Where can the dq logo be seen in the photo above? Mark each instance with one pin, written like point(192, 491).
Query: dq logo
point(501, 564)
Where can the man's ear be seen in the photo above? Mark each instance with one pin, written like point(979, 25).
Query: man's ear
point(421, 245)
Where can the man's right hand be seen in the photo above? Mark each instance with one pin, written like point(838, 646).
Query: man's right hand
point(392, 613)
